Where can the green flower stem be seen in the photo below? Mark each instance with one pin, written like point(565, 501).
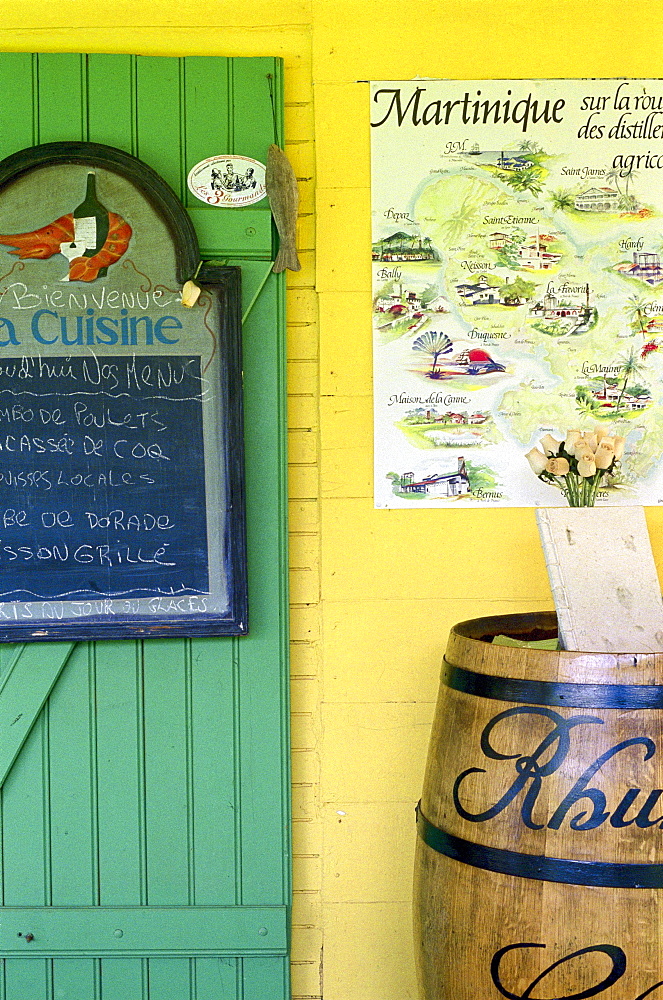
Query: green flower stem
point(588, 489)
point(570, 491)
point(595, 485)
point(580, 491)
point(574, 499)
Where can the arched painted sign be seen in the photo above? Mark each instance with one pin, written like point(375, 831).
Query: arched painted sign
point(121, 493)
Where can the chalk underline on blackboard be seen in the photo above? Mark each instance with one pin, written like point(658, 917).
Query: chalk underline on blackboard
point(140, 593)
point(201, 398)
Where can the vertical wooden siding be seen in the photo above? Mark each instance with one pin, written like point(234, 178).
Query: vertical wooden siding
point(157, 773)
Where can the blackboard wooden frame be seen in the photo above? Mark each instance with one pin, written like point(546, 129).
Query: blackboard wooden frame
point(223, 283)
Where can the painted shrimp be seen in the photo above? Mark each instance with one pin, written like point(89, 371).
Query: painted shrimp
point(45, 242)
point(117, 242)
point(42, 243)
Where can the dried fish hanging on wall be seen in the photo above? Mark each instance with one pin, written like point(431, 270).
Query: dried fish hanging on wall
point(283, 195)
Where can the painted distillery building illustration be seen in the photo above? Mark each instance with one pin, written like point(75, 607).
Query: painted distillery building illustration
point(497, 241)
point(552, 307)
point(510, 161)
point(479, 292)
point(609, 396)
point(433, 417)
point(598, 199)
point(424, 416)
point(403, 246)
point(457, 418)
point(534, 254)
point(398, 300)
point(449, 484)
point(406, 302)
point(646, 267)
point(655, 326)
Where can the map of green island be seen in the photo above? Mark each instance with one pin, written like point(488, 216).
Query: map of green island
point(563, 288)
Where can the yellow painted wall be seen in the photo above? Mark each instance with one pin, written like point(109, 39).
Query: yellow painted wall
point(373, 592)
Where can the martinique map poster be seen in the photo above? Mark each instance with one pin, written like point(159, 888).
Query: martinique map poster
point(517, 285)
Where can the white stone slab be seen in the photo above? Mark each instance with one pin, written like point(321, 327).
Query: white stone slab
point(603, 578)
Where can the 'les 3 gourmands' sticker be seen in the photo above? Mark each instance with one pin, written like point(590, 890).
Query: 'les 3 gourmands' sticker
point(228, 181)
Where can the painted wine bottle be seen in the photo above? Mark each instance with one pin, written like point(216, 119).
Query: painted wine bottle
point(91, 222)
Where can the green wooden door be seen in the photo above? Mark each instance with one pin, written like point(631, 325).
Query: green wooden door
point(144, 807)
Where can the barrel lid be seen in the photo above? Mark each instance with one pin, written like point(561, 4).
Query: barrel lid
point(470, 646)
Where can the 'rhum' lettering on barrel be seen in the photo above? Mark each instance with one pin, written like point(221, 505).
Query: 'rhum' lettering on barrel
point(583, 807)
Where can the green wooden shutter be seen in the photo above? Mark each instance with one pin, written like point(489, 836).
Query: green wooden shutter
point(145, 803)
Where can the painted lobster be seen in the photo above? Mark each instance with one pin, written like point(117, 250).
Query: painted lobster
point(45, 242)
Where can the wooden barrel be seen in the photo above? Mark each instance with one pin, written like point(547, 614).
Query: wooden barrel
point(539, 870)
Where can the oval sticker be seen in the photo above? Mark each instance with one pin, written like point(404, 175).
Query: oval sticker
point(228, 181)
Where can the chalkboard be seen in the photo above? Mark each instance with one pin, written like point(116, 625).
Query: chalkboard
point(121, 470)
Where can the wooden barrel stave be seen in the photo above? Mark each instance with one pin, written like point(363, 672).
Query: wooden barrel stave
point(497, 911)
point(577, 805)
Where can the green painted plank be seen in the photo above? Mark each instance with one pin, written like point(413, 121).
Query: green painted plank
point(263, 690)
point(24, 690)
point(206, 127)
point(24, 852)
point(120, 798)
point(124, 979)
point(75, 979)
point(166, 712)
point(265, 977)
point(119, 765)
point(253, 118)
point(8, 653)
point(233, 232)
point(79, 931)
point(74, 863)
point(216, 978)
point(25, 978)
point(26, 829)
point(62, 81)
point(214, 771)
point(111, 108)
point(18, 120)
point(25, 847)
point(170, 978)
point(158, 83)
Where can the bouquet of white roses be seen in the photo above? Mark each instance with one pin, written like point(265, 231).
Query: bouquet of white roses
point(577, 464)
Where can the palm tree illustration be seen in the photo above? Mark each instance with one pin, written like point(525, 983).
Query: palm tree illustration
point(631, 365)
point(529, 146)
point(433, 344)
point(635, 310)
point(629, 175)
point(612, 177)
point(562, 199)
point(526, 180)
point(585, 400)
